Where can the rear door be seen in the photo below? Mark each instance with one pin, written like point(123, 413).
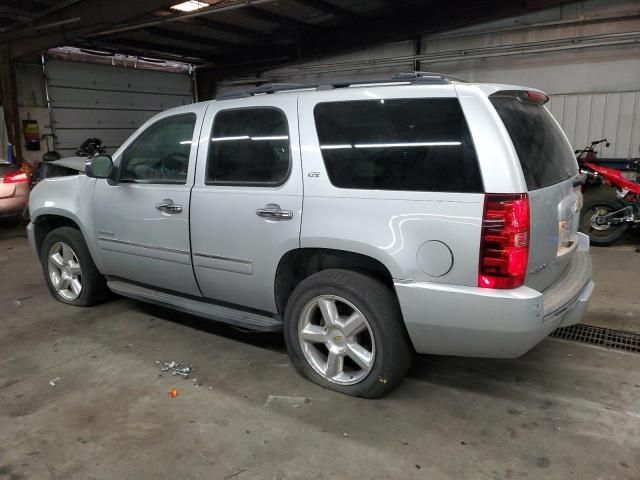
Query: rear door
point(549, 169)
point(246, 204)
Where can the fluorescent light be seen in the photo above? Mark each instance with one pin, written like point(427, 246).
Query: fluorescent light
point(226, 139)
point(413, 144)
point(277, 137)
point(189, 6)
point(186, 142)
point(335, 147)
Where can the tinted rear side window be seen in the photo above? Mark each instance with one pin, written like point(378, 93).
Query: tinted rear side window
point(408, 144)
point(249, 146)
point(544, 154)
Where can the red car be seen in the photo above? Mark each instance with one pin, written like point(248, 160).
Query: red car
point(14, 193)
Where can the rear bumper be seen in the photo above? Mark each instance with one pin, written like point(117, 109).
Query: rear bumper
point(477, 322)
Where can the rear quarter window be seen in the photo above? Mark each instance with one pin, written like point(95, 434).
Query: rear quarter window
point(399, 144)
point(545, 156)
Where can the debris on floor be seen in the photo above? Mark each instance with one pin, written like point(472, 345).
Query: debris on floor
point(236, 473)
point(53, 381)
point(286, 400)
point(18, 301)
point(177, 368)
point(173, 393)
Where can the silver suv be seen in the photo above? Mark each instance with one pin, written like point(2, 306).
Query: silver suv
point(368, 221)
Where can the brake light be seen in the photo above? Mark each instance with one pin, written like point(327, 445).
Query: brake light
point(537, 97)
point(504, 243)
point(19, 176)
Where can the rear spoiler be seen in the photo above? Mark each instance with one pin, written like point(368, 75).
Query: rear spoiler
point(526, 96)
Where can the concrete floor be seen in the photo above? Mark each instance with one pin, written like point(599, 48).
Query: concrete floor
point(563, 411)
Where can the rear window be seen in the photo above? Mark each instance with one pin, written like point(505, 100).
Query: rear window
point(407, 144)
point(545, 156)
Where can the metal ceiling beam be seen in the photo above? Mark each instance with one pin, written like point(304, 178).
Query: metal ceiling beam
point(281, 20)
point(94, 15)
point(189, 37)
point(14, 13)
point(22, 4)
point(150, 49)
point(217, 26)
point(217, 8)
point(330, 8)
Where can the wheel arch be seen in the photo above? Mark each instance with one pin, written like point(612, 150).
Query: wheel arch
point(300, 263)
point(50, 219)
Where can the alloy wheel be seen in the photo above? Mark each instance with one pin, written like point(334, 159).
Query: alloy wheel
point(336, 340)
point(64, 271)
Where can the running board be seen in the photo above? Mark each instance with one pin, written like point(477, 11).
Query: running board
point(229, 315)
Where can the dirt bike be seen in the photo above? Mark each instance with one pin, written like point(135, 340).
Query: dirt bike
point(606, 215)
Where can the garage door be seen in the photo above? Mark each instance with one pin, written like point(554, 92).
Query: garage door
point(107, 102)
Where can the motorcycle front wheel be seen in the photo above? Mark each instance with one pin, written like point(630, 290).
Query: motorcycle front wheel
point(598, 205)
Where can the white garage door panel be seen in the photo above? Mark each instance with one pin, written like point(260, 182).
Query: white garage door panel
point(588, 117)
point(70, 140)
point(107, 102)
point(74, 118)
point(74, 98)
point(105, 77)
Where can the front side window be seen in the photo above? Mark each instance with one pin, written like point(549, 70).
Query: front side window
point(417, 144)
point(161, 153)
point(249, 146)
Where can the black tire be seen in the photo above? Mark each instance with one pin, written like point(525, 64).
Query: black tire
point(378, 304)
point(601, 200)
point(94, 286)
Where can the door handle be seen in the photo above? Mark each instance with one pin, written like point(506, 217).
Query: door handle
point(274, 212)
point(168, 206)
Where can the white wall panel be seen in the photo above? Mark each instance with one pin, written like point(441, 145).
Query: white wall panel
point(587, 117)
point(107, 102)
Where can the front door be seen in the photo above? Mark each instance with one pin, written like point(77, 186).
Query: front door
point(246, 203)
point(142, 222)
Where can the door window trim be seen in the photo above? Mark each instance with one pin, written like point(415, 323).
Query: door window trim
point(121, 163)
point(247, 184)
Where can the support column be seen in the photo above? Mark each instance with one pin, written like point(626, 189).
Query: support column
point(9, 98)
point(417, 50)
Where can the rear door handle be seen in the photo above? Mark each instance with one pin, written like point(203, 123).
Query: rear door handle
point(168, 206)
point(274, 212)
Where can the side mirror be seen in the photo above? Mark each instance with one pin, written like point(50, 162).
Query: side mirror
point(100, 166)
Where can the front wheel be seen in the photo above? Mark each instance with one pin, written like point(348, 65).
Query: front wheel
point(69, 271)
point(344, 331)
point(593, 222)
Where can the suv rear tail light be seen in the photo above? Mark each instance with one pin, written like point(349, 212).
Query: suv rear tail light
point(19, 176)
point(504, 243)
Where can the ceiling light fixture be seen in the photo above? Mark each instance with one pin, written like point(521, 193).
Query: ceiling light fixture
point(189, 6)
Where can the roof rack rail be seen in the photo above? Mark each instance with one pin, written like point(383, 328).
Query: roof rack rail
point(412, 77)
point(417, 75)
point(265, 88)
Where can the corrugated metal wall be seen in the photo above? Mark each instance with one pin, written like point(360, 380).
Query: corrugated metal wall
point(593, 116)
point(89, 100)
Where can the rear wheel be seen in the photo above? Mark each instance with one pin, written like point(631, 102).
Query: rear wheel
point(344, 331)
point(601, 231)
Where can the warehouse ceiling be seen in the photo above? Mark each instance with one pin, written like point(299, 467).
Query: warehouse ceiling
point(234, 35)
